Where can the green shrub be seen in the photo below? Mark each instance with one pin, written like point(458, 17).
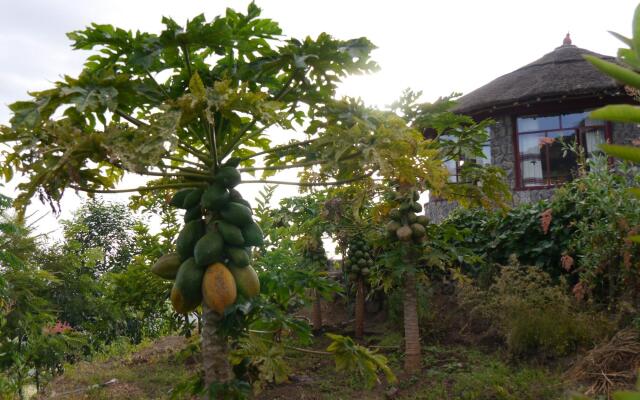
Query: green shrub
point(534, 316)
point(594, 209)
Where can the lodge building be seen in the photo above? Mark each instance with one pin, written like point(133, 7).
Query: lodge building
point(533, 107)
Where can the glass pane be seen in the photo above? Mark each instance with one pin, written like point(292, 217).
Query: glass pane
point(562, 161)
point(530, 124)
point(486, 150)
point(531, 159)
point(592, 138)
point(592, 122)
point(574, 120)
point(451, 166)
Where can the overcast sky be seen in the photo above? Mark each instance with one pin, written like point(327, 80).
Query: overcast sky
point(435, 46)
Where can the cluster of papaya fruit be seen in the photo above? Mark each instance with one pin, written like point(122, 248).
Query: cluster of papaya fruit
point(314, 253)
point(212, 262)
point(405, 224)
point(359, 259)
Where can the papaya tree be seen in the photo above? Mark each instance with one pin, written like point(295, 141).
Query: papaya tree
point(348, 214)
point(192, 108)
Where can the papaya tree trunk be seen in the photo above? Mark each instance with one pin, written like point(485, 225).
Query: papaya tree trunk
point(316, 315)
point(412, 354)
point(359, 328)
point(215, 352)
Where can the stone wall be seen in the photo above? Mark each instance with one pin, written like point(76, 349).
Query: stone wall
point(502, 147)
point(625, 133)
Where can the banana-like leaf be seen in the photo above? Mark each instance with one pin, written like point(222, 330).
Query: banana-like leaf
point(615, 71)
point(618, 112)
point(628, 153)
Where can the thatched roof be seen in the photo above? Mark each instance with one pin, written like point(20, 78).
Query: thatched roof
point(561, 74)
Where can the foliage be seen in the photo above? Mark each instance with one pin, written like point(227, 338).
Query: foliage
point(460, 373)
point(28, 347)
point(227, 81)
point(581, 215)
point(628, 75)
point(265, 356)
point(352, 357)
point(533, 316)
point(105, 226)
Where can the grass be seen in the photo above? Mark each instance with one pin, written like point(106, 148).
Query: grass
point(147, 371)
point(450, 372)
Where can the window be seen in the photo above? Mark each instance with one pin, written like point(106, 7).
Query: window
point(486, 150)
point(454, 165)
point(541, 140)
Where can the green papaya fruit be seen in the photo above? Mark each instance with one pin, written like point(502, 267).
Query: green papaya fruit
point(362, 262)
point(178, 198)
point(253, 235)
point(418, 230)
point(244, 203)
point(192, 199)
point(404, 233)
point(416, 196)
point(229, 177)
point(188, 237)
point(167, 266)
point(405, 207)
point(422, 220)
point(411, 217)
point(395, 214)
point(364, 271)
point(416, 207)
point(215, 197)
point(186, 293)
point(192, 214)
point(233, 162)
point(234, 195)
point(238, 256)
point(209, 249)
point(359, 253)
point(230, 233)
point(393, 226)
point(247, 280)
point(236, 214)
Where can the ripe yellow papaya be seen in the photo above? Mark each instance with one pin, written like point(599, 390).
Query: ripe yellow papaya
point(218, 288)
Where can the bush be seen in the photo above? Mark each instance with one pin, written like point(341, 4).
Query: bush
point(531, 314)
point(564, 236)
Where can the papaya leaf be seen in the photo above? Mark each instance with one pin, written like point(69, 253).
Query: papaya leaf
point(352, 357)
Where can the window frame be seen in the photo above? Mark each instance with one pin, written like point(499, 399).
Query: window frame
point(519, 186)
